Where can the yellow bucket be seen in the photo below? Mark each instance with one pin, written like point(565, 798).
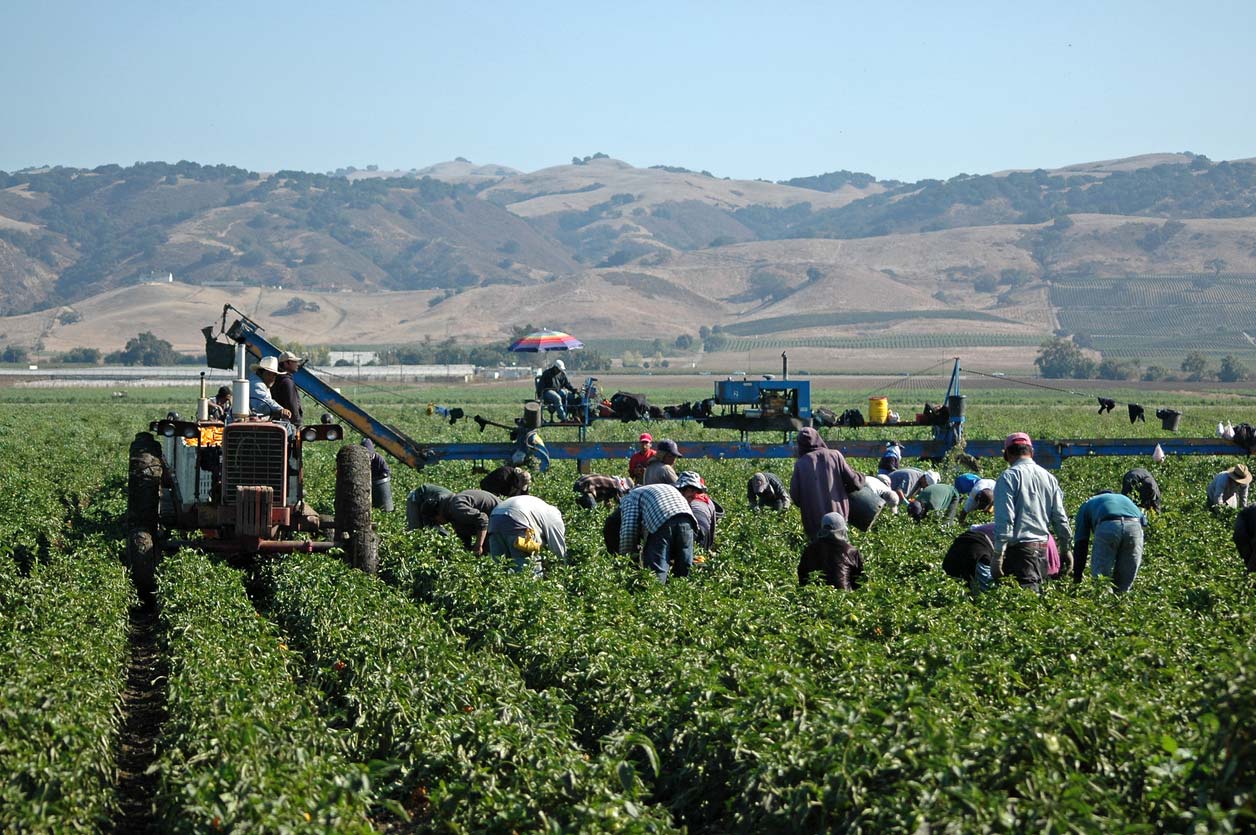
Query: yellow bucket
point(878, 409)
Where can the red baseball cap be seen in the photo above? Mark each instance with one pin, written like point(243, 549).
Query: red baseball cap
point(646, 436)
point(1017, 438)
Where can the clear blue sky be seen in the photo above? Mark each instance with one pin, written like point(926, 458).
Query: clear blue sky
point(743, 89)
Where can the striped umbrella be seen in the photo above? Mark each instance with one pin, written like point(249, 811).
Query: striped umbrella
point(546, 340)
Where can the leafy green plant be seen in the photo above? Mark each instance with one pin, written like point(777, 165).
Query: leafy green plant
point(244, 748)
point(467, 745)
point(63, 648)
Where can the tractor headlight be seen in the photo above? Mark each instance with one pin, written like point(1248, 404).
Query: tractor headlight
point(334, 433)
point(308, 433)
point(167, 428)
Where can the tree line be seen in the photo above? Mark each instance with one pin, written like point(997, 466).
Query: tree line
point(1062, 358)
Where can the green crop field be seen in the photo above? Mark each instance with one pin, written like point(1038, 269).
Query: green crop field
point(448, 695)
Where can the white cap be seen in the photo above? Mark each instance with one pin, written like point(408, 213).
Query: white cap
point(932, 477)
point(560, 365)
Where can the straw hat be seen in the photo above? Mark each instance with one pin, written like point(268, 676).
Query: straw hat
point(1239, 474)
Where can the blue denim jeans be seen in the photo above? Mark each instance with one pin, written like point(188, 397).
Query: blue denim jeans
point(982, 579)
point(556, 402)
point(1118, 551)
point(670, 544)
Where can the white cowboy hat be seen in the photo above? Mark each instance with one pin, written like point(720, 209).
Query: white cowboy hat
point(267, 364)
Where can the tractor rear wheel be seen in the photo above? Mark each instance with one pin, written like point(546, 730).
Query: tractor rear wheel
point(353, 508)
point(143, 494)
point(141, 557)
point(143, 511)
point(363, 549)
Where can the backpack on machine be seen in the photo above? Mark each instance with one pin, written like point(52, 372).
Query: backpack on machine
point(628, 406)
point(1245, 436)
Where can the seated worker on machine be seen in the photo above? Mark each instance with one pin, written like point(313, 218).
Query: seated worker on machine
point(220, 406)
point(555, 390)
point(264, 374)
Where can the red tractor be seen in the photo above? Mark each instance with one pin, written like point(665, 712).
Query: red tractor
point(240, 484)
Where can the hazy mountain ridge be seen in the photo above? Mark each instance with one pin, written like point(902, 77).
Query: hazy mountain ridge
point(466, 250)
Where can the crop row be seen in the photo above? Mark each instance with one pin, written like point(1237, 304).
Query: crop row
point(799, 321)
point(244, 748)
point(893, 342)
point(905, 704)
point(471, 747)
point(63, 650)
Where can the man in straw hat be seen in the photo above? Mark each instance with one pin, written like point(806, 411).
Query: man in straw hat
point(264, 374)
point(1229, 488)
point(1027, 504)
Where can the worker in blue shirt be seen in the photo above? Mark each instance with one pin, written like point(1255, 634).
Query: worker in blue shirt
point(1117, 525)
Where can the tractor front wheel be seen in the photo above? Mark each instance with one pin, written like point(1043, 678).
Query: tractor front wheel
point(353, 508)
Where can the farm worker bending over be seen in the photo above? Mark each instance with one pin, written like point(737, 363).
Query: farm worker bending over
point(980, 497)
point(765, 490)
point(832, 555)
point(593, 489)
point(907, 481)
point(1245, 536)
point(968, 558)
point(880, 484)
point(1141, 486)
point(637, 463)
point(1229, 488)
point(421, 505)
point(660, 470)
point(1117, 524)
point(890, 459)
point(507, 481)
point(467, 513)
point(1027, 503)
point(659, 514)
point(822, 481)
point(706, 511)
point(521, 526)
point(941, 499)
point(263, 376)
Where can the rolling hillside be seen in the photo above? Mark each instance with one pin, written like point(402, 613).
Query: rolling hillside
point(616, 252)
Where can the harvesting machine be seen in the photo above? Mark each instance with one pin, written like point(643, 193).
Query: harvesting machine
point(241, 485)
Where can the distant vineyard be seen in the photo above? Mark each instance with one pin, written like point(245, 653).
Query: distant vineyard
point(1160, 315)
point(895, 342)
point(798, 321)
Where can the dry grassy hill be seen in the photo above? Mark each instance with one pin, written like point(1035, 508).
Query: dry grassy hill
point(847, 266)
